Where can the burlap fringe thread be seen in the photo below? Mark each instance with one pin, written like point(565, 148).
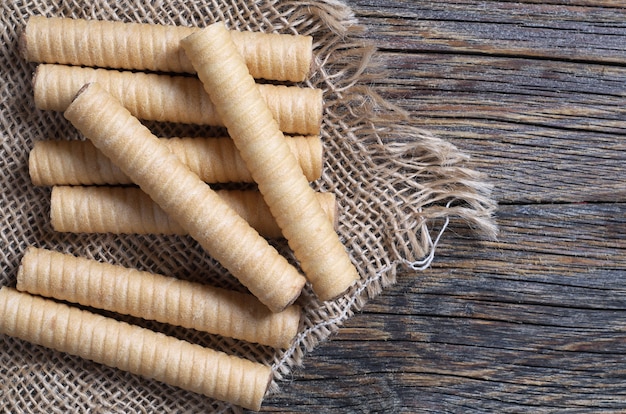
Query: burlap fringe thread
point(398, 187)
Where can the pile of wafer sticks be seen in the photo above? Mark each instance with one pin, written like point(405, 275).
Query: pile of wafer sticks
point(106, 77)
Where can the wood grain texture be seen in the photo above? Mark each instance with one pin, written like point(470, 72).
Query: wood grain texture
point(558, 126)
point(535, 92)
point(591, 31)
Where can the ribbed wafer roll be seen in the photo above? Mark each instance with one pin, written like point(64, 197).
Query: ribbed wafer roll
point(215, 160)
point(133, 349)
point(128, 210)
point(155, 297)
point(165, 98)
point(155, 47)
point(223, 233)
point(263, 147)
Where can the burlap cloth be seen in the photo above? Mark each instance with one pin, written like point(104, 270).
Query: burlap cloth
point(397, 187)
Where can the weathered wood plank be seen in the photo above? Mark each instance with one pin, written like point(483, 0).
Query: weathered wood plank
point(454, 378)
point(560, 30)
point(559, 95)
point(556, 127)
point(536, 321)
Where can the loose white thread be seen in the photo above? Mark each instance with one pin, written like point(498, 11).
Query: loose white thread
point(425, 263)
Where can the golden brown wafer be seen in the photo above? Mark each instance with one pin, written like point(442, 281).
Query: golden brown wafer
point(189, 201)
point(132, 348)
point(156, 297)
point(165, 98)
point(311, 236)
point(128, 210)
point(155, 47)
point(215, 160)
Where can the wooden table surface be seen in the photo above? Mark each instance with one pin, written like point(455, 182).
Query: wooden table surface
point(535, 92)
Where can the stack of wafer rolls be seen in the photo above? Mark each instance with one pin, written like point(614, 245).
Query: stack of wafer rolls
point(108, 76)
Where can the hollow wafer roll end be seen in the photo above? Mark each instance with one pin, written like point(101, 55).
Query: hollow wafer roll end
point(26, 47)
point(22, 43)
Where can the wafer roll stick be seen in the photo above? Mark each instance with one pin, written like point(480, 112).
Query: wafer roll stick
point(291, 200)
point(128, 210)
point(133, 349)
point(155, 297)
point(189, 201)
point(155, 47)
point(167, 98)
point(215, 160)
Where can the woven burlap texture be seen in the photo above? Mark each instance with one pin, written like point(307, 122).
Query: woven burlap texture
point(397, 188)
